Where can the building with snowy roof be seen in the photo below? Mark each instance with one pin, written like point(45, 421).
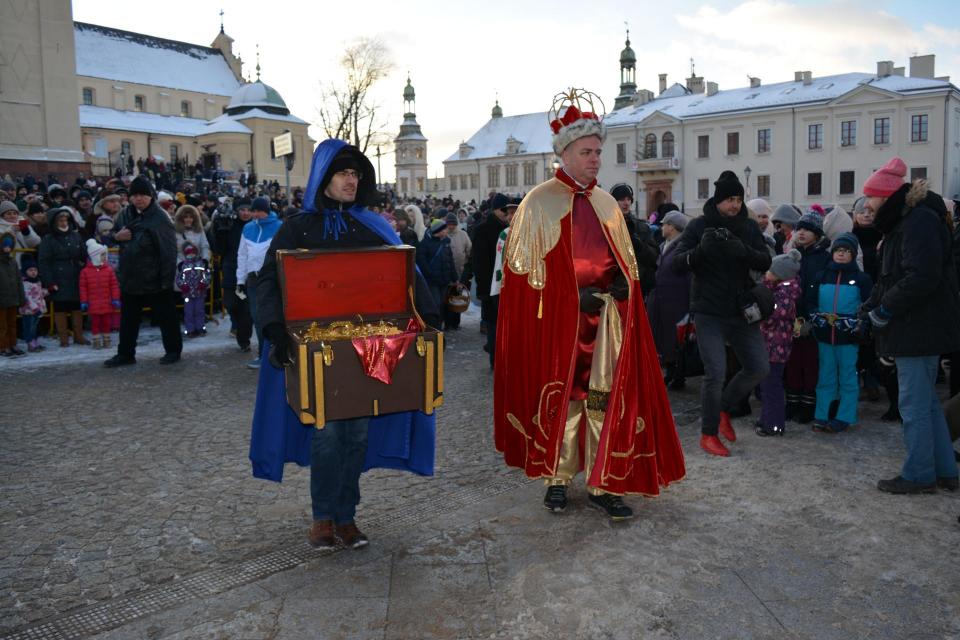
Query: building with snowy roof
point(130, 95)
point(510, 154)
point(813, 139)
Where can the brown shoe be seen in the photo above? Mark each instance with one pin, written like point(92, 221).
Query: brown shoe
point(322, 535)
point(351, 536)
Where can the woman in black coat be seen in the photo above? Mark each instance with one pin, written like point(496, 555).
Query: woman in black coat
point(62, 256)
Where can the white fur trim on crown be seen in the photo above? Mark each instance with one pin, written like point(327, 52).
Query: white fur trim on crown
point(580, 129)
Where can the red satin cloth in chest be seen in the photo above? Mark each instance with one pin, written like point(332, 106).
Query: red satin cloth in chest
point(595, 266)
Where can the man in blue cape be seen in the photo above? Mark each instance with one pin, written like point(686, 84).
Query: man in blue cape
point(342, 184)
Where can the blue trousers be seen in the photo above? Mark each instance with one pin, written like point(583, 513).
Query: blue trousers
point(925, 432)
point(337, 454)
point(837, 378)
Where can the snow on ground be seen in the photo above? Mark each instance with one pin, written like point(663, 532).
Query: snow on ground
point(149, 348)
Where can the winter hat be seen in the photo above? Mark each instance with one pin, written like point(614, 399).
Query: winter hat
point(34, 207)
point(726, 186)
point(164, 197)
point(82, 193)
point(437, 226)
point(811, 222)
point(96, 251)
point(190, 250)
point(621, 190)
point(858, 205)
point(27, 261)
point(846, 241)
point(787, 265)
point(786, 214)
point(54, 189)
point(452, 218)
point(675, 219)
point(141, 187)
point(104, 224)
point(886, 180)
point(760, 207)
point(8, 241)
point(8, 205)
point(836, 222)
point(817, 209)
point(499, 201)
point(570, 123)
point(261, 204)
point(345, 159)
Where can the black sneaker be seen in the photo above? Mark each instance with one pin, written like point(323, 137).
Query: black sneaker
point(612, 505)
point(775, 430)
point(245, 348)
point(950, 484)
point(170, 358)
point(556, 498)
point(902, 486)
point(119, 361)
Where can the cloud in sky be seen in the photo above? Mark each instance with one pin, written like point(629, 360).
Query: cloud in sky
point(460, 56)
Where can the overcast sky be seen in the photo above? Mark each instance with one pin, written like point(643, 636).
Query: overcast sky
point(462, 55)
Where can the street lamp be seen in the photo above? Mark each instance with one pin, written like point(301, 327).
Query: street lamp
point(747, 171)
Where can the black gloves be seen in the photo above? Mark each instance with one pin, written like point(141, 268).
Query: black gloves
point(589, 303)
point(733, 247)
point(279, 355)
point(720, 243)
point(619, 288)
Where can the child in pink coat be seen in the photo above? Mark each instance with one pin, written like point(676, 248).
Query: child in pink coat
point(783, 281)
point(99, 293)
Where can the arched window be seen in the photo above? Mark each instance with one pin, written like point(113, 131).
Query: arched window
point(650, 146)
point(667, 144)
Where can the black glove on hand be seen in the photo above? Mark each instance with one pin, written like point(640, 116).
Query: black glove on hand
point(709, 242)
point(279, 355)
point(733, 247)
point(590, 303)
point(619, 288)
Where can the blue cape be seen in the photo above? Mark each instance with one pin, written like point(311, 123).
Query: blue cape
point(404, 441)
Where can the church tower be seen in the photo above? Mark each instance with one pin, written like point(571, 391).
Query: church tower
point(628, 77)
point(411, 150)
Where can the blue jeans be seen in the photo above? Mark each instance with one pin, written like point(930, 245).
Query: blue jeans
point(925, 432)
point(337, 454)
point(713, 334)
point(29, 325)
point(837, 378)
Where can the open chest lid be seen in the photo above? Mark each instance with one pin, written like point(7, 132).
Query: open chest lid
point(341, 284)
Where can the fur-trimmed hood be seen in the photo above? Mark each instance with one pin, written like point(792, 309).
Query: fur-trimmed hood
point(904, 200)
point(183, 212)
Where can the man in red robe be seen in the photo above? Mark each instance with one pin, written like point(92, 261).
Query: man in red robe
point(577, 385)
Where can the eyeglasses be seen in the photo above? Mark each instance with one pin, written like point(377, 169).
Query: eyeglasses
point(350, 173)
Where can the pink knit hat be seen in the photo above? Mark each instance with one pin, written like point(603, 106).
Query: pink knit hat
point(886, 180)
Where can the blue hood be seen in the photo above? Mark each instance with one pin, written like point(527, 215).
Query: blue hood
point(366, 193)
point(262, 229)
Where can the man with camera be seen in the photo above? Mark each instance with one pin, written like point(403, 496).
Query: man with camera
point(720, 248)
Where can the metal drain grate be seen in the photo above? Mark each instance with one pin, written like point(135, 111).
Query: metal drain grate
point(117, 613)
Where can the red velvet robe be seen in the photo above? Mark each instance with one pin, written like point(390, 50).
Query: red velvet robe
point(538, 333)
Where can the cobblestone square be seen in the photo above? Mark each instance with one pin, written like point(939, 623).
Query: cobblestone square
point(129, 511)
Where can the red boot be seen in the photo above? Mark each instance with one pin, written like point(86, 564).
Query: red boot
point(713, 446)
point(726, 428)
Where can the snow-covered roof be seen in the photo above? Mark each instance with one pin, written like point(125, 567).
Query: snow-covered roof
point(114, 54)
point(106, 118)
point(531, 129)
point(784, 94)
point(260, 113)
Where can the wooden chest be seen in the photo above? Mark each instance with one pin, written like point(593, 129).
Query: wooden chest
point(350, 314)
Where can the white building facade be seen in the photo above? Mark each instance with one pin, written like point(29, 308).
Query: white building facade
point(509, 154)
point(806, 141)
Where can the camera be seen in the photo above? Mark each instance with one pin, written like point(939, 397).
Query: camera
point(751, 313)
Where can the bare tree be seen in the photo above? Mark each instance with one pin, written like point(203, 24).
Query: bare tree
point(347, 109)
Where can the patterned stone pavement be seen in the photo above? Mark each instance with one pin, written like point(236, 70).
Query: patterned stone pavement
point(129, 511)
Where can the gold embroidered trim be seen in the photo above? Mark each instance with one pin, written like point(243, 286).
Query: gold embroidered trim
point(641, 425)
point(597, 400)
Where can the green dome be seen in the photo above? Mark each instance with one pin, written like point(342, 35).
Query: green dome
point(497, 112)
point(408, 93)
point(257, 95)
point(627, 56)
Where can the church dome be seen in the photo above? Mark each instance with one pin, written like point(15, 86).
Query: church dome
point(627, 56)
point(257, 95)
point(497, 112)
point(408, 93)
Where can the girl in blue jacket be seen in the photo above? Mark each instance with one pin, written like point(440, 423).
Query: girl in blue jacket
point(842, 287)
